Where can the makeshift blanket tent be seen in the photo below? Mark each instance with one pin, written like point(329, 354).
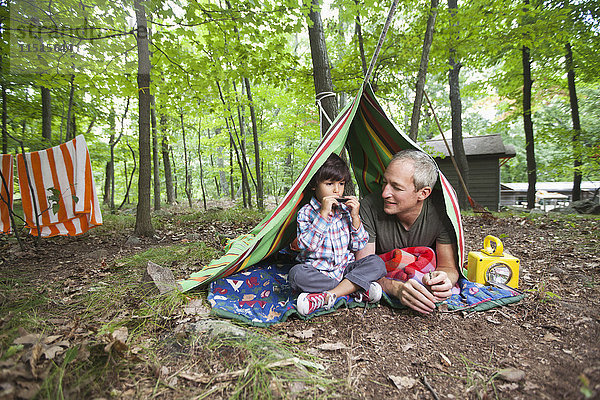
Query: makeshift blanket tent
point(371, 139)
point(64, 193)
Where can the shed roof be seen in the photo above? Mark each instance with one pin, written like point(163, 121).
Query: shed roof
point(475, 146)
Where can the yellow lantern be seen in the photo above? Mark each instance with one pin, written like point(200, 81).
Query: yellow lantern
point(492, 266)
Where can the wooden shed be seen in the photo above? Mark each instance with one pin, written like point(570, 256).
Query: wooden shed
point(485, 155)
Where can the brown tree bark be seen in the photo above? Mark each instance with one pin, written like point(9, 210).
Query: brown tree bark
point(4, 121)
point(187, 179)
point(361, 44)
point(143, 221)
point(110, 164)
point(576, 136)
point(200, 162)
point(321, 67)
point(155, 160)
point(422, 74)
point(46, 114)
point(167, 165)
point(259, 179)
point(456, 114)
point(528, 127)
point(70, 117)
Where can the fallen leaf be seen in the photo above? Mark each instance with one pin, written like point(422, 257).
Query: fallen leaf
point(28, 339)
point(445, 360)
point(50, 339)
point(305, 334)
point(52, 351)
point(406, 347)
point(403, 382)
point(36, 353)
point(511, 374)
point(196, 307)
point(118, 340)
point(332, 346)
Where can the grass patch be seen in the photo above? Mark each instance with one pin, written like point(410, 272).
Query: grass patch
point(182, 254)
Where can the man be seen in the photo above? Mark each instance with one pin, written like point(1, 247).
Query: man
point(408, 213)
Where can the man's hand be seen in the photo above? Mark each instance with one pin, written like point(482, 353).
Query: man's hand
point(411, 293)
point(439, 283)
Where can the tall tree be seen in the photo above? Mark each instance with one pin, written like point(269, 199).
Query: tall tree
point(155, 160)
point(4, 120)
point(259, 179)
point(421, 76)
point(576, 136)
point(46, 114)
point(143, 222)
point(321, 67)
point(456, 113)
point(528, 125)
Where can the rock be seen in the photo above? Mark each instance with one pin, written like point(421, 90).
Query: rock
point(511, 375)
point(133, 241)
point(97, 254)
point(215, 328)
point(160, 277)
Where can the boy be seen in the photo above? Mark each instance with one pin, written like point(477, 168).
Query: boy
point(329, 232)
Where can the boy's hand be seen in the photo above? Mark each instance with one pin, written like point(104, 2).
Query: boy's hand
point(354, 205)
point(327, 205)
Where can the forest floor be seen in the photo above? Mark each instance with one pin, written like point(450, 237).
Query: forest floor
point(75, 323)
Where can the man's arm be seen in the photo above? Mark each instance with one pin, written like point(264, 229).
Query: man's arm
point(446, 274)
point(446, 260)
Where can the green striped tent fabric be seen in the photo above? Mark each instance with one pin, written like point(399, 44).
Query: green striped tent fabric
point(371, 139)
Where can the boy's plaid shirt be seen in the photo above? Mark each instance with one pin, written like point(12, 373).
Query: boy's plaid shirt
point(328, 245)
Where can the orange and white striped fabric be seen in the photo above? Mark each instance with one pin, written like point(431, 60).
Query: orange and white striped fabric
point(65, 194)
point(6, 191)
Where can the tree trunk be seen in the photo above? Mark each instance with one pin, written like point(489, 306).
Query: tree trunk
point(167, 165)
point(456, 113)
point(321, 68)
point(110, 164)
point(528, 127)
point(361, 44)
point(4, 121)
point(187, 179)
point(46, 114)
point(575, 139)
point(420, 87)
point(200, 162)
point(155, 160)
point(212, 165)
point(174, 172)
point(143, 222)
point(129, 179)
point(259, 179)
point(70, 134)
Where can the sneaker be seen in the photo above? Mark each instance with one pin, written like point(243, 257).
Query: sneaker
point(373, 295)
point(310, 302)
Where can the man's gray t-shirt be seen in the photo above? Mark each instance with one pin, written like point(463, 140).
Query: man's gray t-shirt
point(388, 233)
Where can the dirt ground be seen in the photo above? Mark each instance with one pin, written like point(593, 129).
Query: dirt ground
point(545, 347)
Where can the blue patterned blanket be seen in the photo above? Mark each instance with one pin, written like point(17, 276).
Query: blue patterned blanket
point(261, 296)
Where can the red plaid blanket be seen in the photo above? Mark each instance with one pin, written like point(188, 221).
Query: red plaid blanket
point(409, 263)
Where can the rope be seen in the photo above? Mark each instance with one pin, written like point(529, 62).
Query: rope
point(380, 43)
point(320, 97)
